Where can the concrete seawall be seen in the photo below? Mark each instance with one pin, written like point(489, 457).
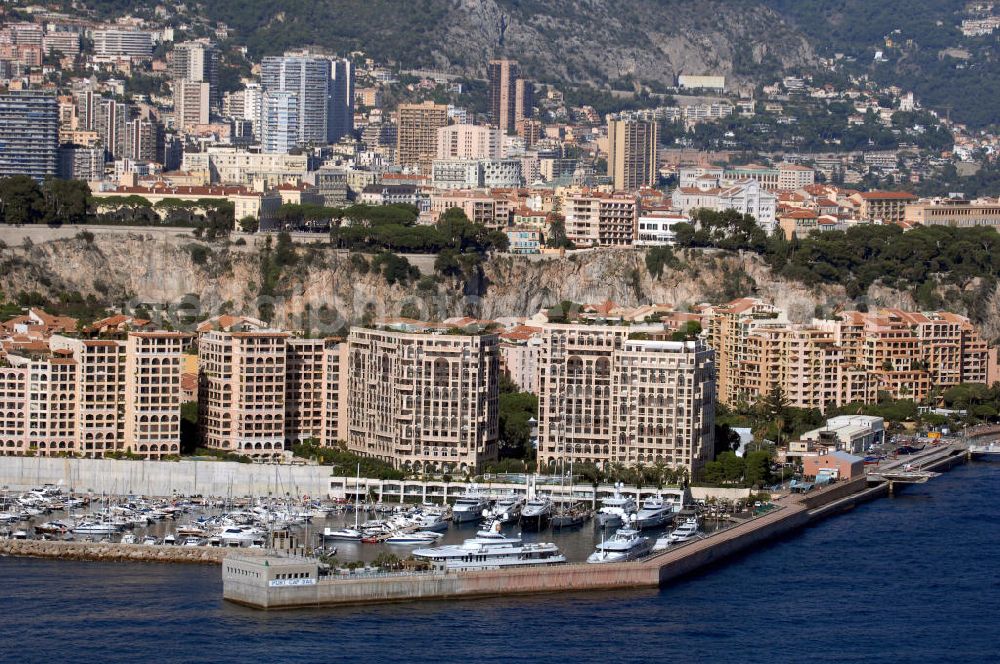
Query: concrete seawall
point(112, 552)
point(164, 478)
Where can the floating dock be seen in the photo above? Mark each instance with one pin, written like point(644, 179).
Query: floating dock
point(284, 582)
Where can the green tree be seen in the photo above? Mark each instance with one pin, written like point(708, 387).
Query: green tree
point(21, 200)
point(66, 201)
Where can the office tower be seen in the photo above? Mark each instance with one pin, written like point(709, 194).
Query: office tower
point(511, 98)
point(198, 62)
point(309, 78)
point(417, 134)
point(29, 134)
point(191, 103)
point(340, 114)
point(279, 121)
point(632, 153)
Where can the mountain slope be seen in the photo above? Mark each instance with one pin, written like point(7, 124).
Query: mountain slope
point(574, 41)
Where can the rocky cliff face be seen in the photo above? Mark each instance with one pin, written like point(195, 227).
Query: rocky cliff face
point(325, 289)
point(595, 41)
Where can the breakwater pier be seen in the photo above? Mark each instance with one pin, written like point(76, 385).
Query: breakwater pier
point(272, 581)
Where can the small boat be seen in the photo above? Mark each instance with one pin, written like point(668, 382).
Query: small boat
point(570, 518)
point(52, 528)
point(128, 538)
point(194, 541)
point(626, 544)
point(19, 535)
point(149, 540)
point(170, 540)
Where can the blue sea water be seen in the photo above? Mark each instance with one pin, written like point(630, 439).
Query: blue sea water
point(915, 577)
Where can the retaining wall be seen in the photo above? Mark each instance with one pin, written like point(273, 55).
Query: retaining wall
point(164, 478)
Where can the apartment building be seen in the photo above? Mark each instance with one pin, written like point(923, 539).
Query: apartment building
point(605, 399)
point(423, 399)
point(29, 134)
point(594, 219)
point(417, 133)
point(261, 391)
point(510, 98)
point(152, 423)
point(38, 404)
point(960, 213)
point(465, 141)
point(128, 43)
point(241, 391)
point(91, 397)
point(886, 207)
point(835, 362)
point(632, 146)
point(492, 211)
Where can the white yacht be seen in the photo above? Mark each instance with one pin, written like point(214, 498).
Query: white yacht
point(469, 506)
point(431, 521)
point(653, 513)
point(625, 544)
point(536, 513)
point(491, 550)
point(416, 538)
point(235, 536)
point(344, 534)
point(684, 532)
point(615, 510)
point(97, 528)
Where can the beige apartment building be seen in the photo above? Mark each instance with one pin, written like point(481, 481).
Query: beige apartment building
point(466, 141)
point(960, 213)
point(91, 397)
point(605, 399)
point(153, 370)
point(601, 220)
point(632, 146)
point(416, 137)
point(887, 207)
point(835, 362)
point(423, 399)
point(262, 391)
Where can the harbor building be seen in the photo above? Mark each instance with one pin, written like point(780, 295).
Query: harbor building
point(423, 398)
point(605, 398)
